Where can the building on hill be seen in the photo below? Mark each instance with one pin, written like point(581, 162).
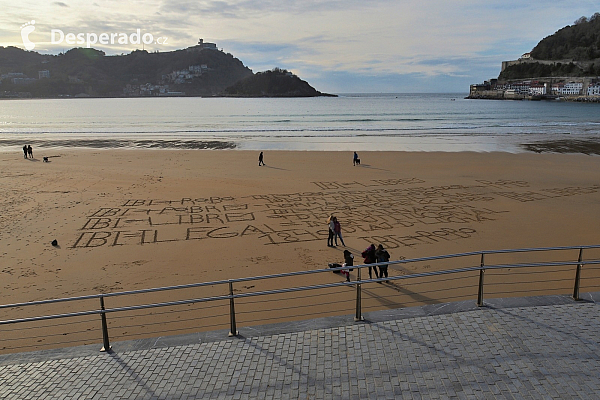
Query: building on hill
point(206, 45)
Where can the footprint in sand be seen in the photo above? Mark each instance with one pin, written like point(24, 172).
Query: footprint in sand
point(26, 29)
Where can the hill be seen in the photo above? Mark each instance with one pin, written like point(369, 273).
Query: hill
point(87, 72)
point(571, 51)
point(274, 83)
point(580, 41)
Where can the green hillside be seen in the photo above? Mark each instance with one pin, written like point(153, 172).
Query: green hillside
point(573, 51)
point(580, 41)
point(90, 71)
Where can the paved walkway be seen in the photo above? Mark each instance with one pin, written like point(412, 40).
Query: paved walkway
point(543, 347)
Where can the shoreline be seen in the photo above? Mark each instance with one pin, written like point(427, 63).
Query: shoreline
point(588, 146)
point(127, 220)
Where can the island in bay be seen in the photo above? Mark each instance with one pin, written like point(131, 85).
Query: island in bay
point(563, 66)
point(200, 70)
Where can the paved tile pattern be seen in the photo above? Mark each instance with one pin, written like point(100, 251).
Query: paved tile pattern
point(543, 352)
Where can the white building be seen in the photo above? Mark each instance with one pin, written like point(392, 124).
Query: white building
point(572, 88)
point(594, 89)
point(537, 89)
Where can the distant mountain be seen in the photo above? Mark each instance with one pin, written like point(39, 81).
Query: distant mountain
point(274, 83)
point(572, 51)
point(200, 70)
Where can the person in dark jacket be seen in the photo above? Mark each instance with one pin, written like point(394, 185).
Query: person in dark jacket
point(349, 262)
point(331, 227)
point(382, 256)
point(369, 256)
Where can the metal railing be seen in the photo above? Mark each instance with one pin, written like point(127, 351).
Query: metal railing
point(357, 284)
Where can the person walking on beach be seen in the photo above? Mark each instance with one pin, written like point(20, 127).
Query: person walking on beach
point(337, 230)
point(369, 256)
point(260, 159)
point(25, 151)
point(355, 160)
point(30, 151)
point(331, 226)
point(382, 256)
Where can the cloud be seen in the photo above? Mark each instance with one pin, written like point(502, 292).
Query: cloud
point(391, 44)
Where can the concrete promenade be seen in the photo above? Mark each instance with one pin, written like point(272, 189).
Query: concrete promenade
point(545, 347)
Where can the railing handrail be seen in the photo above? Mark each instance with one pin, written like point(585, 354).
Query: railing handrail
point(298, 273)
point(299, 288)
point(356, 284)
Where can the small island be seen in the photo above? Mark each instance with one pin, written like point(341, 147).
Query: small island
point(274, 83)
point(563, 66)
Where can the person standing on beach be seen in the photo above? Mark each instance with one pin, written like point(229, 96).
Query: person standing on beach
point(369, 256)
point(30, 151)
point(348, 262)
point(260, 159)
point(337, 230)
point(25, 151)
point(382, 256)
point(355, 159)
point(331, 226)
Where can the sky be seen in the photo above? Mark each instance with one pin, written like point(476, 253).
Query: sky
point(338, 46)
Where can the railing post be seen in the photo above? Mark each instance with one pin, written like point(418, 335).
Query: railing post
point(578, 276)
point(358, 316)
point(480, 291)
point(105, 341)
point(233, 329)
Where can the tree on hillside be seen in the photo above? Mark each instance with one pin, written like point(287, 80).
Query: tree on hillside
point(580, 41)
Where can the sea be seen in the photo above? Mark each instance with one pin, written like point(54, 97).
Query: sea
point(349, 122)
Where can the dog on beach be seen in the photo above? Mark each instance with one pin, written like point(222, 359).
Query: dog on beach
point(45, 159)
point(358, 161)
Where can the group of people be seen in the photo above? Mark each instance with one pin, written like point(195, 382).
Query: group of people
point(335, 232)
point(27, 151)
point(374, 255)
point(371, 254)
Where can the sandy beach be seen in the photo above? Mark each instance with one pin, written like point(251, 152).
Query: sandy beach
point(135, 219)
